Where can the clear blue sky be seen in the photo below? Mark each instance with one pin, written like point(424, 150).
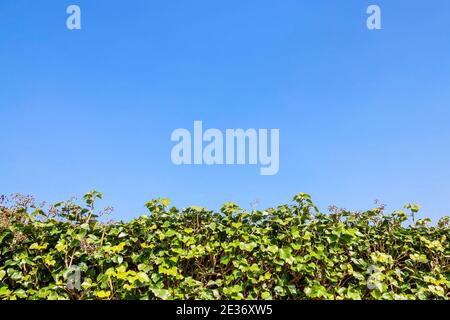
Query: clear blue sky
point(362, 114)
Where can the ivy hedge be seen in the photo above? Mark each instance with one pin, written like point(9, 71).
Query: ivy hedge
point(66, 251)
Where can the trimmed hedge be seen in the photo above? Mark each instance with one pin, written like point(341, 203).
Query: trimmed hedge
point(289, 252)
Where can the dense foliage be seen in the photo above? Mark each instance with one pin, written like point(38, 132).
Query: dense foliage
point(288, 252)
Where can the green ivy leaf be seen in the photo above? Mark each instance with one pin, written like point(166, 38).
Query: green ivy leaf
point(161, 293)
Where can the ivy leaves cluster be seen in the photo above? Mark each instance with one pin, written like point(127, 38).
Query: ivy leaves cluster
point(289, 252)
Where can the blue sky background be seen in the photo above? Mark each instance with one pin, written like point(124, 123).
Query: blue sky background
point(362, 114)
